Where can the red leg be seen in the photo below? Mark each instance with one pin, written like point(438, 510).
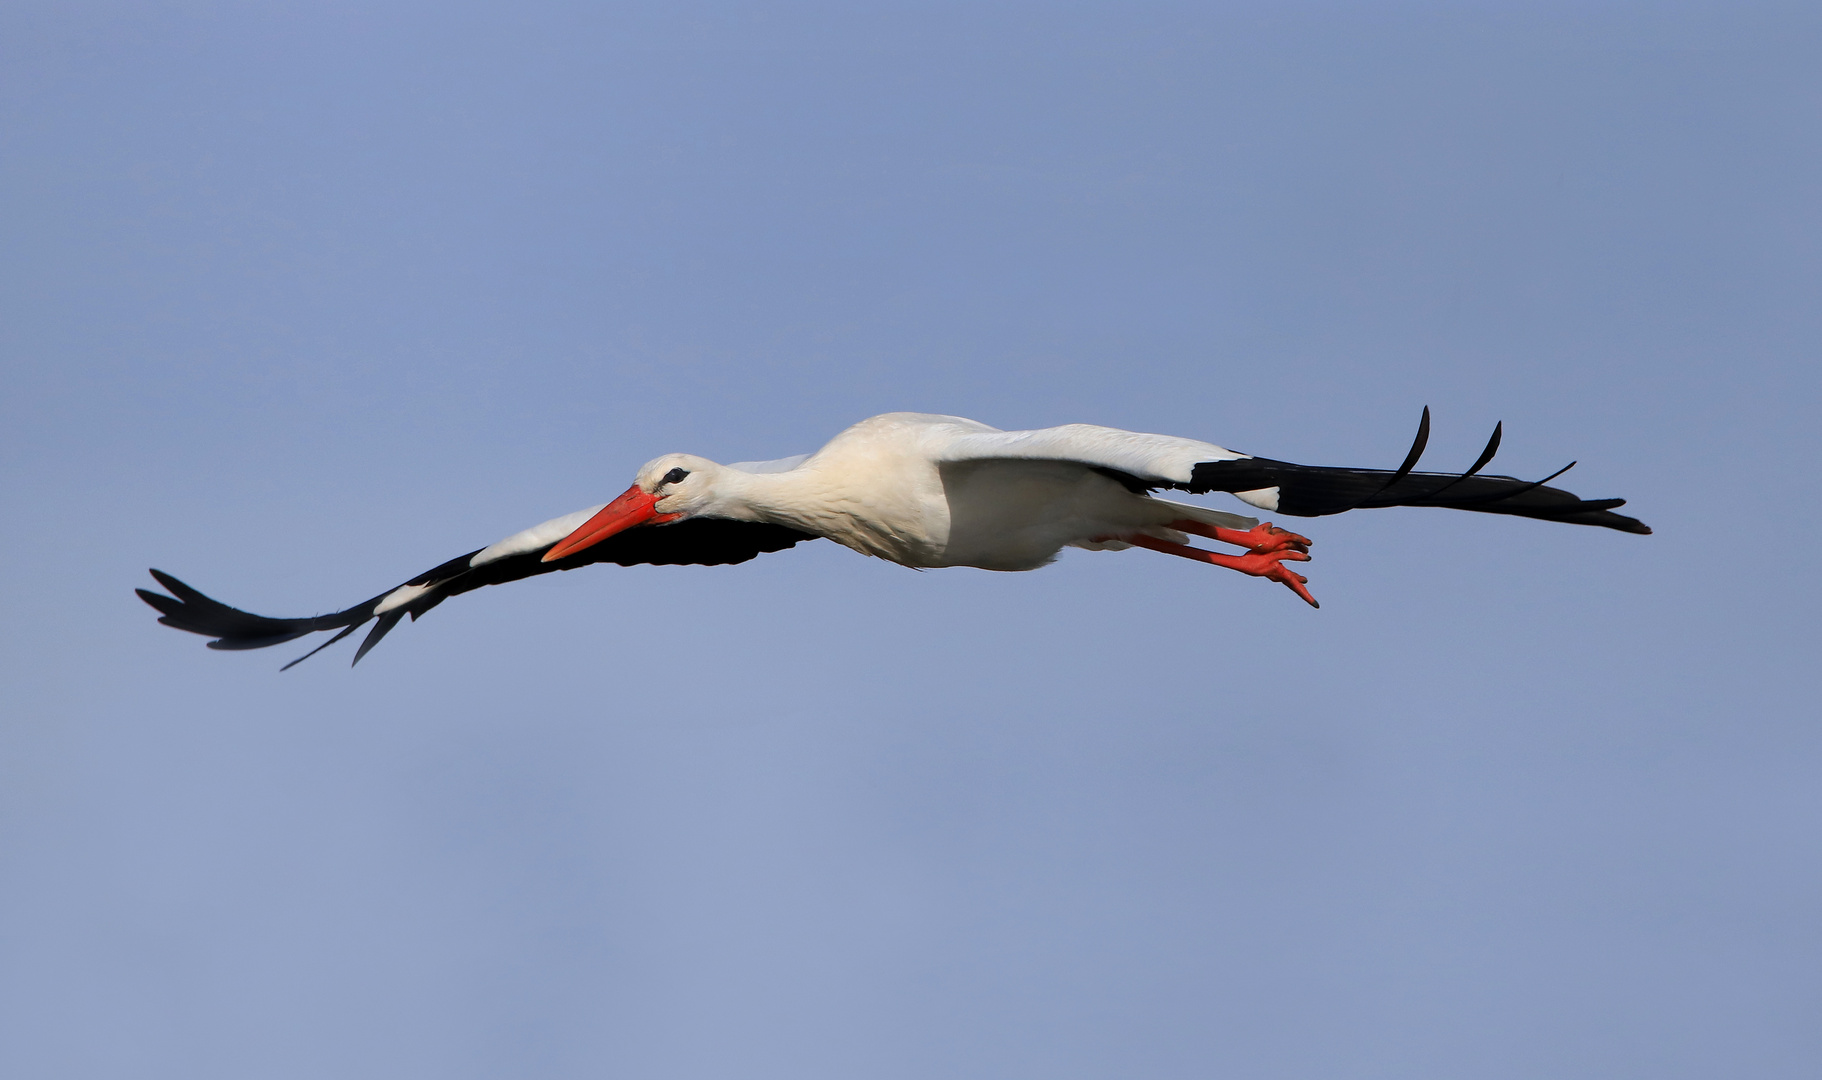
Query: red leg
point(1259, 538)
point(1265, 564)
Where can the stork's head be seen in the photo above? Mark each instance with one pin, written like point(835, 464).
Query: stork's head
point(680, 484)
point(669, 488)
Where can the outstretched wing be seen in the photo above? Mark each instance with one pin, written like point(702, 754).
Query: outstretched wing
point(1317, 490)
point(1148, 462)
point(696, 541)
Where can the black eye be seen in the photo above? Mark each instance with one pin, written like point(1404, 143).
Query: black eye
point(673, 477)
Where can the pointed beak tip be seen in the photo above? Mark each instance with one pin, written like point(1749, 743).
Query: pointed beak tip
point(633, 507)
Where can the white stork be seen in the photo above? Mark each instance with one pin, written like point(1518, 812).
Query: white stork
point(929, 491)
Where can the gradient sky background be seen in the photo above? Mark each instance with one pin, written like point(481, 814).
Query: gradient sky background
point(300, 300)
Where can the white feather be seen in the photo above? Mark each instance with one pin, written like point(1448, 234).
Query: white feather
point(536, 537)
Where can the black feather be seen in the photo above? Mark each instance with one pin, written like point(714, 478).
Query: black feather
point(1417, 447)
point(1479, 462)
point(1530, 486)
point(697, 541)
point(1126, 480)
point(346, 630)
point(386, 622)
point(1317, 490)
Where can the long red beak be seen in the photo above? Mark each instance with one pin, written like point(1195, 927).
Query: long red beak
point(633, 507)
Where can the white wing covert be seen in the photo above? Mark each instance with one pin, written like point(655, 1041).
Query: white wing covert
point(1156, 460)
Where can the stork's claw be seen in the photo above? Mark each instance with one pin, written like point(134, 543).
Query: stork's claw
point(1270, 565)
point(1265, 564)
point(1269, 537)
point(1261, 538)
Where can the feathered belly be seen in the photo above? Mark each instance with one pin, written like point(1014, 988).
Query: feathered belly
point(996, 514)
point(1017, 515)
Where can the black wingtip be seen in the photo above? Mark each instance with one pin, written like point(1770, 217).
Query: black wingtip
point(1410, 460)
point(386, 623)
point(1417, 447)
point(1480, 462)
point(176, 587)
point(231, 628)
point(1486, 455)
point(346, 630)
point(159, 602)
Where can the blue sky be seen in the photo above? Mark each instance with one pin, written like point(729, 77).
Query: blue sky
point(300, 300)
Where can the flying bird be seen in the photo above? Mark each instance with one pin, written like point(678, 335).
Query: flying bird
point(930, 491)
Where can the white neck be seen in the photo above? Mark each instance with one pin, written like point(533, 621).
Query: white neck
point(883, 520)
point(782, 498)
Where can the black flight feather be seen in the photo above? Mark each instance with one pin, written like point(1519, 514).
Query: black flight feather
point(1319, 490)
point(697, 541)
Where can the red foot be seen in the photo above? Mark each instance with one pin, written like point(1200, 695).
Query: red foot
point(1265, 564)
point(1260, 538)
